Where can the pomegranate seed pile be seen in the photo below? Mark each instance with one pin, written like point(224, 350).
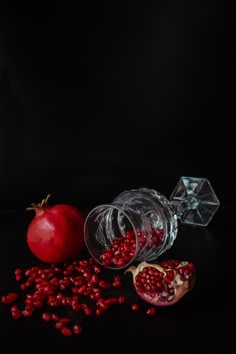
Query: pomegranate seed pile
point(79, 285)
point(123, 249)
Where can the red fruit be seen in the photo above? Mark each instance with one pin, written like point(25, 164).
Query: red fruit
point(56, 232)
point(163, 284)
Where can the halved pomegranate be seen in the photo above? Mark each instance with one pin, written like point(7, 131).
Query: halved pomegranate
point(165, 283)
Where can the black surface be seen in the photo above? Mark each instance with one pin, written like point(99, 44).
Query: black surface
point(201, 321)
point(110, 97)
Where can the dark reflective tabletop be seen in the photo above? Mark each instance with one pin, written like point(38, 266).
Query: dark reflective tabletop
point(202, 319)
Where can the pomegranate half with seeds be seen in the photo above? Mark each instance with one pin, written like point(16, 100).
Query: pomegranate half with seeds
point(163, 284)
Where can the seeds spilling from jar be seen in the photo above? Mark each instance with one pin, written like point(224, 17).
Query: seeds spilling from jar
point(123, 249)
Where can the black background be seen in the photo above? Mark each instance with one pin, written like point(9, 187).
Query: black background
point(111, 96)
point(106, 97)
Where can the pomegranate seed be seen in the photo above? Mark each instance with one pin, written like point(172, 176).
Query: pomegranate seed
point(95, 279)
point(95, 296)
point(112, 301)
point(14, 308)
point(106, 261)
point(104, 285)
point(46, 316)
point(64, 301)
point(55, 317)
point(88, 311)
point(121, 262)
point(59, 325)
point(66, 331)
point(82, 289)
point(23, 287)
point(27, 313)
point(77, 329)
point(151, 311)
point(16, 314)
point(121, 299)
point(65, 320)
point(97, 269)
point(76, 307)
point(99, 311)
point(135, 307)
point(116, 284)
point(18, 271)
point(18, 277)
point(83, 263)
point(104, 306)
point(9, 298)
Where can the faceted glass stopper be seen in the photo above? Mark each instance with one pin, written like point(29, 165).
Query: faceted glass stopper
point(194, 200)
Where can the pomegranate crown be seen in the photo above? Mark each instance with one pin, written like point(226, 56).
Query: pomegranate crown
point(40, 205)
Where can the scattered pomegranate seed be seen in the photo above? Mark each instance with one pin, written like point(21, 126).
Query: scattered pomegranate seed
point(46, 316)
point(135, 307)
point(66, 331)
point(18, 271)
point(16, 314)
point(116, 284)
point(66, 286)
point(9, 298)
point(121, 300)
point(117, 278)
point(76, 287)
point(99, 311)
point(59, 325)
point(27, 313)
point(55, 317)
point(14, 308)
point(151, 311)
point(77, 329)
point(65, 320)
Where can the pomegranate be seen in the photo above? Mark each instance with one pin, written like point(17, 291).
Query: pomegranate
point(163, 284)
point(56, 232)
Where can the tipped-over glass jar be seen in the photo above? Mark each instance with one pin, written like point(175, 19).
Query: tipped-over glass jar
point(141, 224)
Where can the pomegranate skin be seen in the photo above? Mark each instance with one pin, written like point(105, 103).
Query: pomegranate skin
point(56, 232)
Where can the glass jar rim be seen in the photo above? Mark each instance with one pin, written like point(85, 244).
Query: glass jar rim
point(105, 207)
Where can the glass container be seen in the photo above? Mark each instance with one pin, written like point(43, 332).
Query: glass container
point(141, 224)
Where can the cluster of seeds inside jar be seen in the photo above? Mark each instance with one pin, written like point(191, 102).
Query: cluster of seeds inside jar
point(122, 249)
point(80, 285)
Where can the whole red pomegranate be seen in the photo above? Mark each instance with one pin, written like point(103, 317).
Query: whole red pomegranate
point(56, 232)
point(163, 284)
